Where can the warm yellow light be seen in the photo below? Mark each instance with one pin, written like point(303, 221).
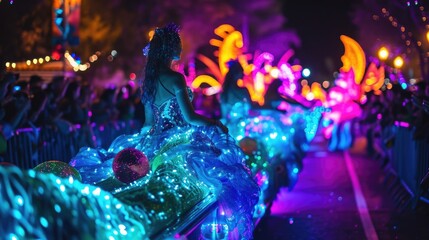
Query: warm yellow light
point(83, 67)
point(427, 36)
point(208, 80)
point(310, 96)
point(383, 53)
point(275, 72)
point(35, 61)
point(8, 64)
point(223, 30)
point(398, 62)
point(204, 79)
point(40, 60)
point(28, 62)
point(13, 65)
point(150, 34)
point(215, 42)
point(230, 49)
point(305, 90)
point(267, 67)
point(47, 58)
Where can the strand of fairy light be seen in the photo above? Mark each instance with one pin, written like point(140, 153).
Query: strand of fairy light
point(406, 37)
point(75, 64)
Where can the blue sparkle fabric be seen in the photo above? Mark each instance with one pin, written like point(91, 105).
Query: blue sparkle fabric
point(209, 160)
point(43, 206)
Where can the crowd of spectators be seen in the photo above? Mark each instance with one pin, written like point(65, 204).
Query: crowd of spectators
point(63, 104)
point(407, 107)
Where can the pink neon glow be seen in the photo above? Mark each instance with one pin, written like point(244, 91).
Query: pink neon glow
point(341, 100)
point(261, 178)
point(402, 124)
point(286, 56)
point(379, 116)
point(257, 75)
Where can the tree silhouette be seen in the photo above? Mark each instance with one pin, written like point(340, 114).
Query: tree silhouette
point(124, 26)
point(25, 30)
point(399, 25)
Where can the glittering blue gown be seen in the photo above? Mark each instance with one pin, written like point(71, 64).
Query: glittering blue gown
point(187, 163)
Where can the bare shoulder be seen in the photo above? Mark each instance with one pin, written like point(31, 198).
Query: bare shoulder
point(174, 79)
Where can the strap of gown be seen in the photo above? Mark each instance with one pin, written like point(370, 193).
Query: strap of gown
point(166, 88)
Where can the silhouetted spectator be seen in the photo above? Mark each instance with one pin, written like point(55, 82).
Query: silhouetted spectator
point(104, 110)
point(232, 93)
point(36, 83)
point(17, 110)
point(125, 104)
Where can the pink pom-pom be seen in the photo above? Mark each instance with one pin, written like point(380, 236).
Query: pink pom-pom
point(129, 165)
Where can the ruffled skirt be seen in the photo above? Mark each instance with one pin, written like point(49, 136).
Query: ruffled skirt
point(187, 163)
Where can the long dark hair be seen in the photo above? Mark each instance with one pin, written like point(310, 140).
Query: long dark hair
point(164, 44)
point(230, 80)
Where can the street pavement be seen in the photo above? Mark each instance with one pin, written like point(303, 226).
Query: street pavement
point(341, 195)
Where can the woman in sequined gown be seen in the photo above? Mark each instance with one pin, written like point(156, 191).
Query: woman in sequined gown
point(190, 156)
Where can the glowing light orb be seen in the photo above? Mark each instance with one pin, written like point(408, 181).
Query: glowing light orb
point(129, 165)
point(383, 53)
point(306, 72)
point(398, 62)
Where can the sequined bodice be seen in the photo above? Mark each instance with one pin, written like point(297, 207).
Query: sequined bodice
point(168, 115)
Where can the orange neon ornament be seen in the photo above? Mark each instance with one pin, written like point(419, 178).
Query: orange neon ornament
point(230, 48)
point(354, 57)
point(374, 78)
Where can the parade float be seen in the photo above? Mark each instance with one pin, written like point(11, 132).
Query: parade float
point(274, 139)
point(274, 134)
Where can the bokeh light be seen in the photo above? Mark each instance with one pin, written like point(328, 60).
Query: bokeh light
point(306, 72)
point(383, 53)
point(398, 62)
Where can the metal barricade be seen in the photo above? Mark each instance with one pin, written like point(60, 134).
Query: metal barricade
point(32, 146)
point(409, 159)
point(20, 148)
point(55, 145)
point(106, 133)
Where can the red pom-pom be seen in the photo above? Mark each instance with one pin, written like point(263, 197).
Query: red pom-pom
point(248, 145)
point(129, 165)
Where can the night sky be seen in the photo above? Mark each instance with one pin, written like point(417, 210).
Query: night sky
point(319, 25)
